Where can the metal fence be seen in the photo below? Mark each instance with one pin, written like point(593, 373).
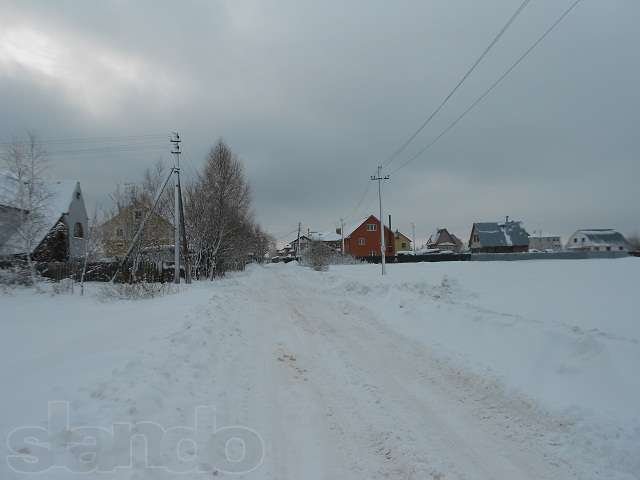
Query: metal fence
point(492, 257)
point(104, 272)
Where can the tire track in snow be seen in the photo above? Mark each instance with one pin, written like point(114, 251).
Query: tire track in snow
point(376, 367)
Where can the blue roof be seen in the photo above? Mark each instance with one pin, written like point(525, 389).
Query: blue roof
point(494, 234)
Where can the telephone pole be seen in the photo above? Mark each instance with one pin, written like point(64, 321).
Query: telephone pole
point(175, 140)
point(413, 236)
point(298, 243)
point(383, 248)
point(342, 234)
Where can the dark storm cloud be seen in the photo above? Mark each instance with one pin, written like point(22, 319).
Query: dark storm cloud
point(314, 94)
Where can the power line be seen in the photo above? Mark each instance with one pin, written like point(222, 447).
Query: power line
point(106, 149)
point(493, 42)
point(492, 87)
point(103, 139)
point(359, 202)
point(443, 103)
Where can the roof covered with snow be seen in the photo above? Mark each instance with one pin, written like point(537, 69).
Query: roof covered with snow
point(325, 236)
point(59, 195)
point(603, 236)
point(494, 234)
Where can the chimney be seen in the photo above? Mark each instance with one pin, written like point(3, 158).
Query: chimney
point(506, 219)
point(390, 222)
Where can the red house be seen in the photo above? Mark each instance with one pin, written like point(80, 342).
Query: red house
point(363, 239)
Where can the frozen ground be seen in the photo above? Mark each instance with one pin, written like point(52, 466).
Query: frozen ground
point(470, 370)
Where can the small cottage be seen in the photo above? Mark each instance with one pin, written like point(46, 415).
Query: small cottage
point(494, 237)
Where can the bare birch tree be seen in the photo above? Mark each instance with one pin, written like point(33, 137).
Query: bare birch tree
point(24, 190)
point(218, 214)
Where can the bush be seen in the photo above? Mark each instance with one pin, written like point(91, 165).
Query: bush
point(17, 274)
point(135, 291)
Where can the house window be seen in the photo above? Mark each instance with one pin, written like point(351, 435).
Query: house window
point(373, 253)
point(575, 240)
point(77, 230)
point(120, 233)
point(404, 244)
point(362, 241)
point(138, 214)
point(608, 249)
point(620, 248)
point(371, 227)
point(78, 195)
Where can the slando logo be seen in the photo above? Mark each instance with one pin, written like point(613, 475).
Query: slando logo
point(203, 448)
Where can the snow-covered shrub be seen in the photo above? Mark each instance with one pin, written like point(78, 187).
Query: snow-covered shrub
point(17, 274)
point(135, 291)
point(66, 286)
point(317, 255)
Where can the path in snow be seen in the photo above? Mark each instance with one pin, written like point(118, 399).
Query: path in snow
point(333, 391)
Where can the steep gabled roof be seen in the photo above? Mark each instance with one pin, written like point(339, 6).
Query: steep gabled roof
point(442, 236)
point(494, 234)
point(399, 234)
point(349, 230)
point(59, 197)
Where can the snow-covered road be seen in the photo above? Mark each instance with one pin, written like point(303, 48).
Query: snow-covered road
point(342, 375)
point(359, 400)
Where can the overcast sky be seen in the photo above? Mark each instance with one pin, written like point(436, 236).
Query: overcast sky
point(314, 94)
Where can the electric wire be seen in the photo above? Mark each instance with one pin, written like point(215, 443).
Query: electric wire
point(491, 88)
point(486, 51)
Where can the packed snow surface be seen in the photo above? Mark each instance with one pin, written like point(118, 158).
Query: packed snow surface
point(456, 370)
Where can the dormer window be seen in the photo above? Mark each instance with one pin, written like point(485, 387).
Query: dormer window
point(78, 195)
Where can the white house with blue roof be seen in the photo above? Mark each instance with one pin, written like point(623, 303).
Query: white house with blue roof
point(598, 240)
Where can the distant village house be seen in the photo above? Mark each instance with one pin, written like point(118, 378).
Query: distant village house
point(402, 242)
point(494, 237)
point(544, 242)
point(598, 240)
point(61, 229)
point(445, 241)
point(118, 232)
point(363, 239)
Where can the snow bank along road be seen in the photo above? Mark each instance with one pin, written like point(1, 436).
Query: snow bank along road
point(514, 370)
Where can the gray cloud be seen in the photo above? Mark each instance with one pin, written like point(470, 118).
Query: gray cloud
point(313, 95)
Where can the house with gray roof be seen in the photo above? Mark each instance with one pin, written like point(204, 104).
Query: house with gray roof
point(494, 237)
point(598, 240)
point(62, 225)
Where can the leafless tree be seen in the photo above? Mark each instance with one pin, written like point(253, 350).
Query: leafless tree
point(94, 248)
point(25, 191)
point(317, 255)
point(220, 227)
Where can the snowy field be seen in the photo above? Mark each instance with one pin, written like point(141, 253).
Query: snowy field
point(469, 370)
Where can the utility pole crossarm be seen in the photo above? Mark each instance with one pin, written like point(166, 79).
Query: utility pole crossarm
point(380, 178)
